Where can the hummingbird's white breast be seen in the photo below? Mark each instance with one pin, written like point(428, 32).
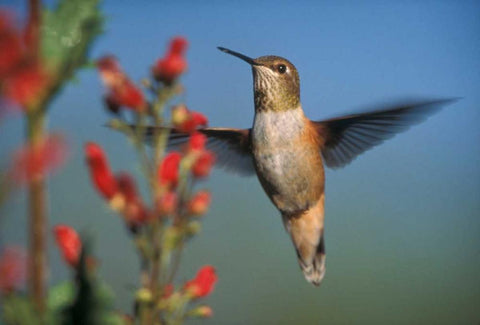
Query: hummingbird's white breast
point(287, 167)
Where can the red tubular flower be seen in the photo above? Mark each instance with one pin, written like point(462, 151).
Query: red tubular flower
point(126, 186)
point(187, 121)
point(100, 171)
point(203, 164)
point(134, 209)
point(121, 90)
point(69, 243)
point(200, 202)
point(197, 141)
point(167, 203)
point(167, 172)
point(12, 269)
point(170, 67)
point(23, 80)
point(203, 283)
point(33, 161)
point(26, 85)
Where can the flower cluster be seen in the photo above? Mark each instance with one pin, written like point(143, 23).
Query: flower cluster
point(161, 226)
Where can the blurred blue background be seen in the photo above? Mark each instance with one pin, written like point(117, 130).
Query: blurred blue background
point(402, 221)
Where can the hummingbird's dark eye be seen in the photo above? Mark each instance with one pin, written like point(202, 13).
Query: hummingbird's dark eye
point(282, 68)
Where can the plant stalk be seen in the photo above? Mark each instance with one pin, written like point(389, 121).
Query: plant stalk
point(37, 219)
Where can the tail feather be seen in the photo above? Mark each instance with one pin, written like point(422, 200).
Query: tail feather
point(306, 231)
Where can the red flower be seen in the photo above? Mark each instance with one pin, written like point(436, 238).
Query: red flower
point(69, 243)
point(12, 269)
point(26, 85)
point(134, 210)
point(23, 80)
point(170, 67)
point(187, 121)
point(121, 90)
point(100, 171)
point(168, 170)
point(203, 164)
point(33, 161)
point(203, 283)
point(126, 186)
point(167, 203)
point(200, 202)
point(197, 141)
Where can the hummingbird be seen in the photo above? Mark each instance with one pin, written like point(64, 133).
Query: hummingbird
point(287, 151)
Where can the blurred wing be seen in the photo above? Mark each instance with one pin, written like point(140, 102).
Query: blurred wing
point(347, 137)
point(231, 147)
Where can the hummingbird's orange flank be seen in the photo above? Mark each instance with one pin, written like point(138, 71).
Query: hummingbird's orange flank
point(287, 151)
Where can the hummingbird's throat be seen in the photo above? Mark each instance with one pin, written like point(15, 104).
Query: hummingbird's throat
point(272, 93)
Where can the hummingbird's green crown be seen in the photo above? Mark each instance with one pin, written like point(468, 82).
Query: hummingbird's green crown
point(275, 81)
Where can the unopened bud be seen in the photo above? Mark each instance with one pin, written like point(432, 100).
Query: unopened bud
point(203, 311)
point(143, 295)
point(179, 114)
point(193, 228)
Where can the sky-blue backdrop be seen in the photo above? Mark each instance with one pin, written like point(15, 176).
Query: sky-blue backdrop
point(402, 221)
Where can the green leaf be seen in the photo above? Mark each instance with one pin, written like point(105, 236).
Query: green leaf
point(68, 32)
point(61, 296)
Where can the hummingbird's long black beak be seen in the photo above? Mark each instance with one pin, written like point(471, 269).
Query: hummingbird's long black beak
point(238, 55)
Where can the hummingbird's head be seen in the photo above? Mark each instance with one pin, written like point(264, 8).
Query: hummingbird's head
point(276, 82)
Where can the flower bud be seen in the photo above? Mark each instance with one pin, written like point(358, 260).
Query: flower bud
point(167, 203)
point(203, 311)
point(170, 67)
point(100, 171)
point(197, 141)
point(199, 204)
point(187, 121)
point(193, 228)
point(69, 243)
point(167, 172)
point(203, 283)
point(203, 164)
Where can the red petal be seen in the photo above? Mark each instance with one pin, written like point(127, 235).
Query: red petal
point(202, 166)
point(168, 170)
point(178, 45)
point(200, 202)
point(69, 243)
point(37, 161)
point(203, 284)
point(197, 141)
point(100, 171)
point(26, 85)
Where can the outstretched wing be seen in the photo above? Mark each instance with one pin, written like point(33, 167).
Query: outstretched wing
point(347, 137)
point(232, 147)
